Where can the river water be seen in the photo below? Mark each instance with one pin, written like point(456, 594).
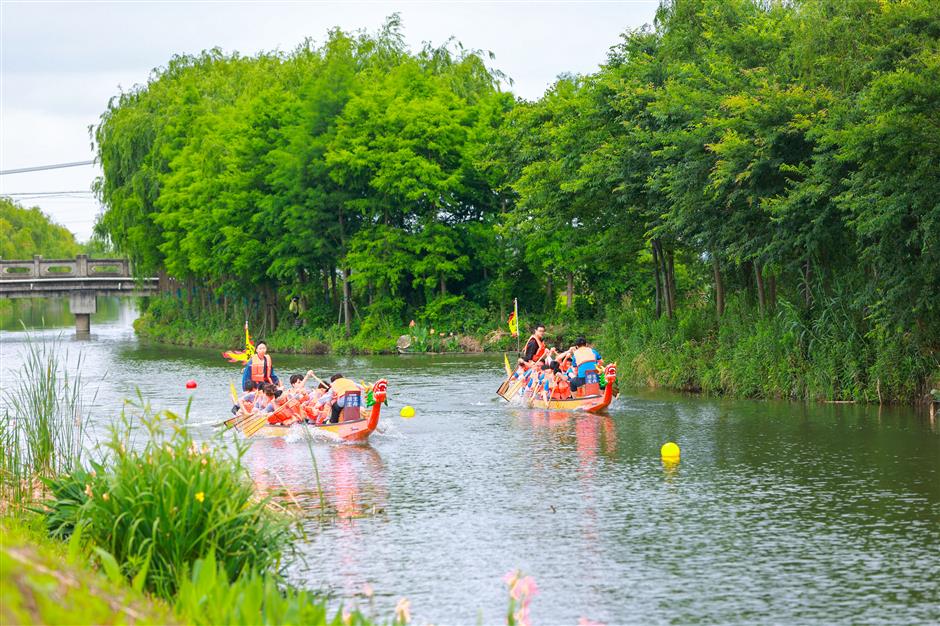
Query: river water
point(777, 513)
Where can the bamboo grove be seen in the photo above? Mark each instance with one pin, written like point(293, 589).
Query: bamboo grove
point(735, 161)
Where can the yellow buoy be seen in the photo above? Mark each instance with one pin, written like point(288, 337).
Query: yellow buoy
point(669, 451)
point(407, 412)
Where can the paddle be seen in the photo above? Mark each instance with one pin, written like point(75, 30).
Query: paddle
point(250, 427)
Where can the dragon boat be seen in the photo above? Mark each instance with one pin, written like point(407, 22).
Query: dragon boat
point(356, 422)
point(589, 398)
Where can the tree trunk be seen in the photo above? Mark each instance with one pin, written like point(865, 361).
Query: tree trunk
point(334, 297)
point(326, 286)
point(443, 286)
point(346, 301)
point(719, 287)
point(761, 297)
point(549, 294)
point(659, 288)
point(771, 292)
point(570, 294)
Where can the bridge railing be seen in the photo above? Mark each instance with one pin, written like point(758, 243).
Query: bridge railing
point(79, 267)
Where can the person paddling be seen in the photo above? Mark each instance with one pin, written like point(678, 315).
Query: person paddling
point(585, 360)
point(342, 390)
point(260, 368)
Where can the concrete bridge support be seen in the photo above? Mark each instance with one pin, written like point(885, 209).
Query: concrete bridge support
point(82, 305)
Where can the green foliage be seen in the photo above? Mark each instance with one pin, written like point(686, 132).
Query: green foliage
point(208, 597)
point(156, 510)
point(41, 584)
point(25, 232)
point(735, 153)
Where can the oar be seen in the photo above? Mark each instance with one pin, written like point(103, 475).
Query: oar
point(254, 425)
point(519, 383)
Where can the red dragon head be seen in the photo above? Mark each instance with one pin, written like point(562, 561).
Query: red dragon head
point(610, 372)
point(379, 390)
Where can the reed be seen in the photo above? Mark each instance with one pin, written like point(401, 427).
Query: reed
point(43, 425)
point(160, 506)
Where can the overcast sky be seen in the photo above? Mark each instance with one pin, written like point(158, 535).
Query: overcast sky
point(60, 62)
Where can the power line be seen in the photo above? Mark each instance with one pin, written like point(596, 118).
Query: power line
point(39, 168)
point(47, 193)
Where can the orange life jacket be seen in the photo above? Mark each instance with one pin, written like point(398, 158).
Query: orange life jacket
point(541, 351)
point(261, 369)
point(562, 390)
point(583, 356)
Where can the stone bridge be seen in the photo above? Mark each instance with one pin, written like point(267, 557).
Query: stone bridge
point(81, 280)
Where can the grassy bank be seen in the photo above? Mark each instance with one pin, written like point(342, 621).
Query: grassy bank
point(154, 528)
point(42, 581)
point(780, 354)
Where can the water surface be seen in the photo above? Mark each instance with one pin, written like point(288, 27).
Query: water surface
point(777, 512)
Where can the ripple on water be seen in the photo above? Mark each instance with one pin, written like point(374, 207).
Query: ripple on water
point(777, 513)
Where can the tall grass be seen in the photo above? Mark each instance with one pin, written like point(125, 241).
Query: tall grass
point(159, 508)
point(43, 424)
point(828, 353)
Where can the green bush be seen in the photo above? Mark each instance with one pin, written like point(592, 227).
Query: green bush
point(160, 508)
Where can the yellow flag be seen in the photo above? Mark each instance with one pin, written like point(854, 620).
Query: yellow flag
point(513, 325)
point(508, 369)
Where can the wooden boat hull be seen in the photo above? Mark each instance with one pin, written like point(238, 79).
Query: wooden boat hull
point(356, 430)
point(509, 391)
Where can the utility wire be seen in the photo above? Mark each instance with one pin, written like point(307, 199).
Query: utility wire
point(39, 168)
point(47, 193)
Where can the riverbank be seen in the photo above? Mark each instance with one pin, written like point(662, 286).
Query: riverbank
point(780, 354)
point(42, 584)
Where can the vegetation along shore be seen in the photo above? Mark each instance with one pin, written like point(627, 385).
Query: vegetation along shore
point(740, 200)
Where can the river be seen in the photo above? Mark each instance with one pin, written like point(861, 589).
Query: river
point(777, 513)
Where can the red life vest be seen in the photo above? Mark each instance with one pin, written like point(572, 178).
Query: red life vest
point(261, 369)
point(541, 351)
point(562, 390)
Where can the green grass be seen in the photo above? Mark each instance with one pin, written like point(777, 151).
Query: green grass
point(788, 353)
point(160, 508)
point(42, 427)
point(40, 583)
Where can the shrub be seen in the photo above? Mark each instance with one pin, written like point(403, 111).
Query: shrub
point(168, 504)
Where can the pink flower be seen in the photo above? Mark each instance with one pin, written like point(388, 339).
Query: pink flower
point(524, 588)
point(412, 324)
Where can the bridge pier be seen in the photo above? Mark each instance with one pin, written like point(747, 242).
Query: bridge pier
point(82, 305)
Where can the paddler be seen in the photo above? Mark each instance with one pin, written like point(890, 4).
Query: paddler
point(339, 387)
point(298, 389)
point(260, 369)
point(584, 359)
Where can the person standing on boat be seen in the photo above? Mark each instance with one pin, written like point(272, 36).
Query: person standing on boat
point(260, 369)
point(340, 386)
point(584, 360)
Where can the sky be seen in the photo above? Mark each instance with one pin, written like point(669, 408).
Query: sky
point(60, 62)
